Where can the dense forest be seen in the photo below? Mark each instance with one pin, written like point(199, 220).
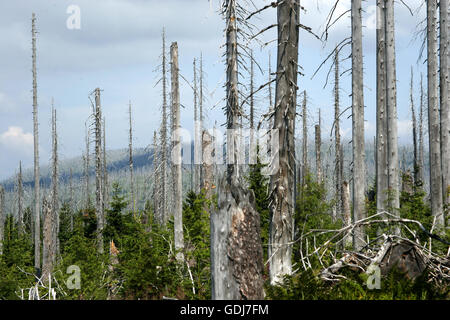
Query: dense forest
point(260, 206)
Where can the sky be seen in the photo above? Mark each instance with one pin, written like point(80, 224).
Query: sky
point(117, 48)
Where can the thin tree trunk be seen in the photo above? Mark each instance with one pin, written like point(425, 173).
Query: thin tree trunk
point(105, 167)
point(414, 123)
point(37, 225)
point(54, 203)
point(382, 134)
point(445, 101)
point(71, 202)
point(2, 218)
point(346, 211)
point(197, 160)
point(163, 134)
point(252, 147)
point(49, 243)
point(98, 171)
point(20, 199)
point(176, 156)
point(130, 160)
point(318, 142)
point(421, 141)
point(337, 140)
point(282, 206)
point(359, 171)
point(304, 140)
point(433, 117)
point(87, 168)
point(156, 180)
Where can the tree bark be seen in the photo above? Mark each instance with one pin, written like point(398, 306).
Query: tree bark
point(359, 171)
point(98, 171)
point(382, 134)
point(391, 105)
point(176, 155)
point(421, 141)
point(445, 101)
point(55, 182)
point(414, 123)
point(433, 117)
point(318, 143)
point(20, 199)
point(163, 163)
point(49, 244)
point(337, 140)
point(282, 203)
point(37, 225)
point(304, 140)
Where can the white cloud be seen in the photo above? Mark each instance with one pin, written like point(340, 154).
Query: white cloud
point(16, 140)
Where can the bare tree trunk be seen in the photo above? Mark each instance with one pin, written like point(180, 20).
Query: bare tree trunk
point(391, 104)
point(421, 141)
point(337, 140)
point(445, 101)
point(2, 218)
point(382, 133)
point(433, 117)
point(54, 204)
point(346, 211)
point(359, 171)
point(37, 225)
point(163, 134)
point(304, 140)
point(156, 180)
point(200, 125)
point(105, 167)
point(71, 202)
point(282, 206)
point(414, 123)
point(318, 142)
point(49, 244)
point(176, 155)
point(236, 251)
point(87, 168)
point(197, 142)
point(252, 147)
point(20, 199)
point(130, 160)
point(98, 171)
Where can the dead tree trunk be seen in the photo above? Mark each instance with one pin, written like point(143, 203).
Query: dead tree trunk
point(445, 101)
point(414, 123)
point(346, 211)
point(98, 171)
point(130, 160)
point(359, 171)
point(156, 180)
point(318, 143)
point(163, 134)
point(282, 204)
point(176, 155)
point(49, 244)
point(200, 125)
point(2, 218)
point(71, 202)
point(20, 199)
point(236, 251)
point(87, 168)
point(304, 141)
point(337, 140)
point(382, 134)
point(391, 104)
point(54, 203)
point(37, 225)
point(105, 167)
point(196, 134)
point(421, 141)
point(252, 147)
point(433, 117)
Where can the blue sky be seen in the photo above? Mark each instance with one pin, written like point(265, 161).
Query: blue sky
point(118, 49)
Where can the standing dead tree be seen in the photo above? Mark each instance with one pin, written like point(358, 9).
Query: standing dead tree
point(176, 155)
point(37, 225)
point(20, 199)
point(337, 139)
point(197, 160)
point(318, 144)
point(414, 123)
point(55, 184)
point(105, 167)
point(304, 140)
point(49, 243)
point(444, 101)
point(71, 202)
point(130, 159)
point(156, 178)
point(382, 134)
point(421, 141)
point(434, 129)
point(236, 251)
point(359, 170)
point(99, 207)
point(87, 167)
point(2, 218)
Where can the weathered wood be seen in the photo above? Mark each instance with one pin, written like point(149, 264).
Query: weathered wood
point(421, 141)
point(318, 145)
point(346, 210)
point(337, 212)
point(20, 199)
point(99, 207)
point(304, 140)
point(414, 123)
point(382, 134)
point(163, 137)
point(434, 133)
point(37, 219)
point(49, 243)
point(359, 170)
point(176, 155)
point(55, 181)
point(282, 201)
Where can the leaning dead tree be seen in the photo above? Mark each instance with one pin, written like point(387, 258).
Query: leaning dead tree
point(37, 225)
point(130, 159)
point(359, 170)
point(444, 100)
point(99, 208)
point(381, 134)
point(236, 251)
point(434, 130)
point(176, 155)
